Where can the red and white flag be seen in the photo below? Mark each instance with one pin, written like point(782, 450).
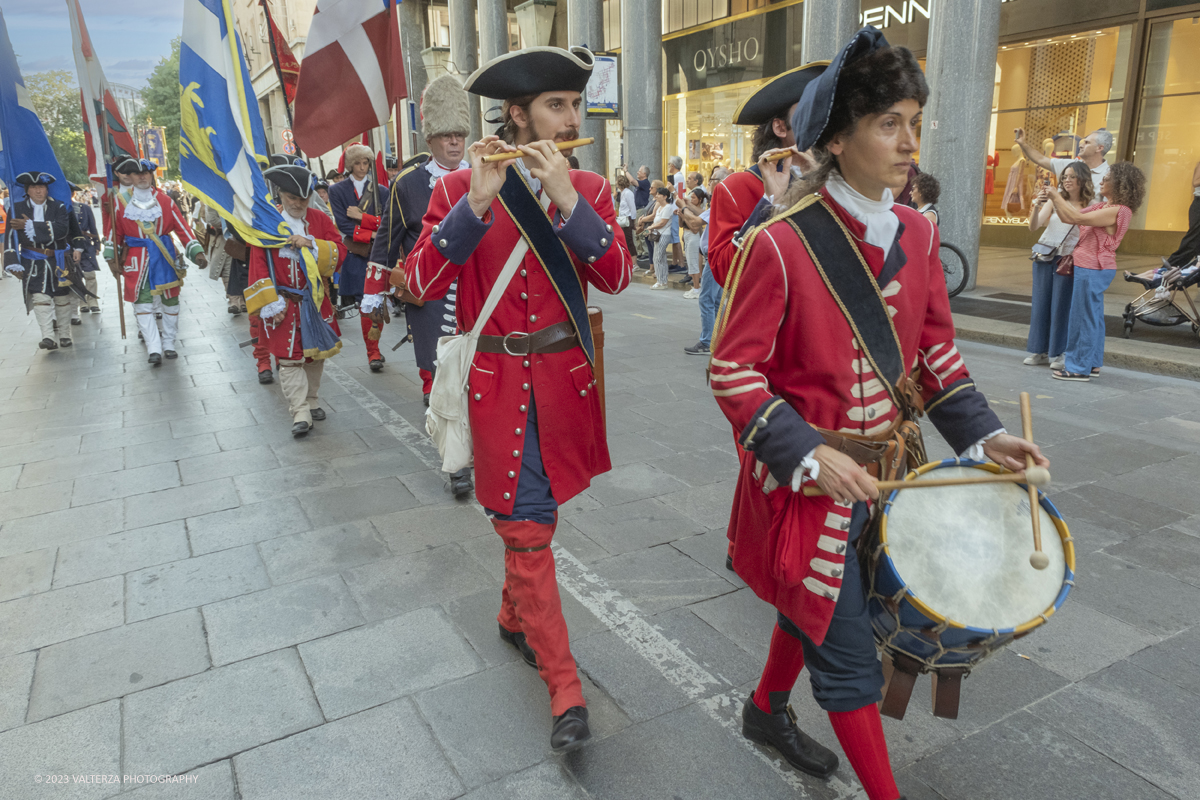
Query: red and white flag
point(105, 132)
point(351, 74)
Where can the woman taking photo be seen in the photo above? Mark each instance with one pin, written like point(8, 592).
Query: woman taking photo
point(1102, 226)
point(1052, 286)
point(626, 208)
point(660, 232)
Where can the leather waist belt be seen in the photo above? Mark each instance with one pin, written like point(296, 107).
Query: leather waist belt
point(863, 449)
point(553, 339)
point(289, 294)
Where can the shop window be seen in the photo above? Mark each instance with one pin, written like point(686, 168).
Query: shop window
point(1059, 89)
point(1168, 132)
point(698, 129)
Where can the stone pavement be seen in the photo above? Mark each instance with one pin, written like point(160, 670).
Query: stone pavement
point(186, 590)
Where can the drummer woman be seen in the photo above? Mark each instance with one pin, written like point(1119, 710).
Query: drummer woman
point(794, 368)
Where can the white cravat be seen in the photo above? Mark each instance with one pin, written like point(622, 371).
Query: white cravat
point(359, 185)
point(437, 171)
point(533, 182)
point(882, 223)
point(39, 211)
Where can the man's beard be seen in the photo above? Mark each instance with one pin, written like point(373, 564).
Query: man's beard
point(564, 135)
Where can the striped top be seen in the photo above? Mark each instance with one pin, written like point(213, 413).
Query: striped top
point(1097, 249)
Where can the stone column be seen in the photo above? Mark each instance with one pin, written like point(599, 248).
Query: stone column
point(585, 26)
point(412, 39)
point(493, 42)
point(961, 70)
point(464, 58)
point(642, 86)
point(828, 26)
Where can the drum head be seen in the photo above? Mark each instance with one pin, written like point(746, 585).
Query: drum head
point(964, 551)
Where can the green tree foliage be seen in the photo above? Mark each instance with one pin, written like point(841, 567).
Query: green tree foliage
point(162, 104)
point(55, 95)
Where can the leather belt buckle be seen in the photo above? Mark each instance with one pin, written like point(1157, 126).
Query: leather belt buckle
point(504, 342)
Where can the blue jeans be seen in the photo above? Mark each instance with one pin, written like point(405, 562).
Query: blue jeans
point(710, 301)
point(1051, 312)
point(1085, 332)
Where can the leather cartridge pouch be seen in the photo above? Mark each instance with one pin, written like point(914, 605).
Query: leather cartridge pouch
point(396, 281)
point(358, 248)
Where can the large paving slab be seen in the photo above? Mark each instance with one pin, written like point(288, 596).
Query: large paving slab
point(55, 616)
point(193, 582)
point(39, 760)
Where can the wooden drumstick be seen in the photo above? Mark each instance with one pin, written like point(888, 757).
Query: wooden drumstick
point(559, 145)
point(1037, 476)
point(1037, 559)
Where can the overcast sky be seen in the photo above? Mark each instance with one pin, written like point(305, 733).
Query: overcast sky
point(130, 36)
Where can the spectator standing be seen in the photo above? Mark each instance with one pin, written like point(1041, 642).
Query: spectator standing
point(1189, 248)
point(1102, 227)
point(660, 230)
point(925, 193)
point(642, 200)
point(1092, 150)
point(675, 184)
point(626, 209)
point(690, 208)
point(646, 217)
point(1051, 311)
point(710, 290)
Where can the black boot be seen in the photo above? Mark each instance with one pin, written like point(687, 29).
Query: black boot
point(155, 359)
point(300, 428)
point(266, 377)
point(518, 641)
point(48, 344)
point(570, 730)
point(460, 483)
point(318, 414)
point(779, 730)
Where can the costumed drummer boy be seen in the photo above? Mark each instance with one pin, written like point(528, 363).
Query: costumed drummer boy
point(536, 419)
point(836, 329)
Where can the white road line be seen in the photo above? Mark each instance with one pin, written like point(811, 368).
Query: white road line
point(617, 613)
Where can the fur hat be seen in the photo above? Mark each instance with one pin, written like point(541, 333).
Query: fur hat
point(357, 151)
point(445, 108)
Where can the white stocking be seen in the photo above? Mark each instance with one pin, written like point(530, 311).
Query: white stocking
point(144, 314)
point(170, 324)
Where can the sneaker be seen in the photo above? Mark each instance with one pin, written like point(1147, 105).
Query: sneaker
point(1058, 363)
point(698, 349)
point(659, 286)
point(95, 309)
point(691, 294)
point(1037, 360)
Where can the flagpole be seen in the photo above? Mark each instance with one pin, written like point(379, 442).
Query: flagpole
point(275, 60)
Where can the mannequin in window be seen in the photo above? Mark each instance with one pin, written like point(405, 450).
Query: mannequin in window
point(1014, 187)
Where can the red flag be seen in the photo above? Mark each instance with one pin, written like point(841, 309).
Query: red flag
point(353, 72)
point(286, 64)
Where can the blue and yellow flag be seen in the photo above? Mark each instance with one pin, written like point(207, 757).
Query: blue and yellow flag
point(223, 148)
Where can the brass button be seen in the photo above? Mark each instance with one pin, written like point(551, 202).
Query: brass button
point(517, 431)
point(516, 453)
point(507, 496)
point(441, 243)
point(522, 408)
point(525, 386)
point(512, 474)
point(478, 396)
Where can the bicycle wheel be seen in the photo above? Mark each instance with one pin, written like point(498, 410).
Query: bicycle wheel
point(954, 264)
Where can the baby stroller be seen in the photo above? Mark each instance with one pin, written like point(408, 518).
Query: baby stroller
point(1166, 300)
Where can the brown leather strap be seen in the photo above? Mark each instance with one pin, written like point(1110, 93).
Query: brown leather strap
point(527, 549)
point(863, 449)
point(947, 686)
point(900, 673)
point(553, 339)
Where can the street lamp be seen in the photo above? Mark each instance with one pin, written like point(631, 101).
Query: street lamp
point(536, 18)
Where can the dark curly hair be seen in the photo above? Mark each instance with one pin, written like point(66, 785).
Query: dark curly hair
point(1128, 185)
point(869, 85)
point(929, 187)
point(764, 138)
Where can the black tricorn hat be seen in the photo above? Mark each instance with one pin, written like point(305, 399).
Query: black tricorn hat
point(532, 71)
point(134, 166)
point(816, 104)
point(291, 178)
point(34, 179)
point(283, 160)
point(775, 97)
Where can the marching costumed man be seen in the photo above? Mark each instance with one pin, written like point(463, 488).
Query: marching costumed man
point(43, 246)
point(836, 332)
point(86, 218)
point(142, 236)
point(735, 199)
point(357, 203)
point(535, 414)
point(445, 122)
point(287, 293)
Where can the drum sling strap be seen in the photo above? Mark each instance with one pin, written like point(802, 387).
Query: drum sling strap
point(853, 287)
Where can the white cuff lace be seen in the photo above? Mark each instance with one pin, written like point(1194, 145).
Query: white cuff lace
point(271, 309)
point(29, 229)
point(975, 451)
point(371, 302)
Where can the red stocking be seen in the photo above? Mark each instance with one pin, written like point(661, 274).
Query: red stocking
point(372, 346)
point(784, 662)
point(426, 380)
point(861, 735)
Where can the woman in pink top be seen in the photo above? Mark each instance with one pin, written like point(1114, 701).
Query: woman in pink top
point(1102, 226)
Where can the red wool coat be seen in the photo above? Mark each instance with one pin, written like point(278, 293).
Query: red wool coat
point(785, 336)
point(570, 424)
point(733, 201)
point(171, 221)
point(283, 340)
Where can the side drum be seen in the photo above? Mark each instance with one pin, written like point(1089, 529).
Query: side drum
point(949, 580)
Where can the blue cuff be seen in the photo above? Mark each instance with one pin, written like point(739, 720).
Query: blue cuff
point(459, 233)
point(961, 415)
point(586, 233)
point(761, 213)
point(780, 438)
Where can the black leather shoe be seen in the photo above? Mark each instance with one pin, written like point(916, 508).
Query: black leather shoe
point(95, 309)
point(377, 365)
point(570, 730)
point(155, 359)
point(301, 428)
point(76, 321)
point(233, 310)
point(158, 315)
point(48, 344)
point(266, 377)
point(85, 310)
point(170, 354)
point(780, 731)
point(729, 562)
point(318, 414)
point(65, 342)
point(427, 399)
point(460, 485)
point(518, 641)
